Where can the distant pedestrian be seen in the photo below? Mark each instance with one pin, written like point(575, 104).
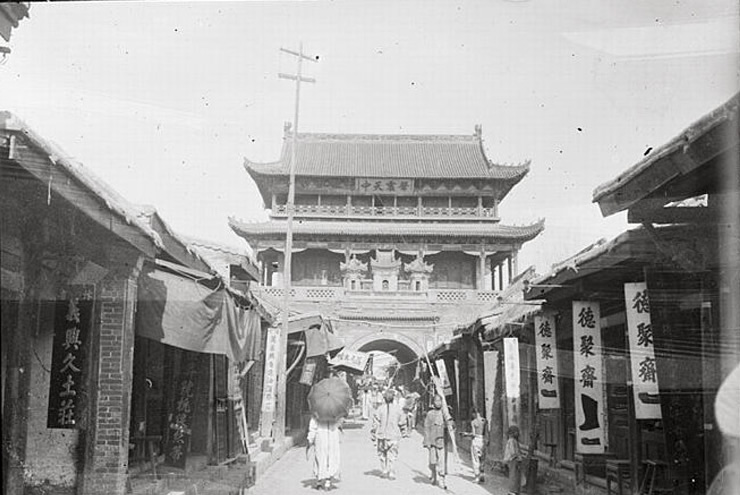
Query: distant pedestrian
point(324, 438)
point(513, 458)
point(436, 438)
point(388, 422)
point(477, 444)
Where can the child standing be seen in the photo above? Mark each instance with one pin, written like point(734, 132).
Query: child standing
point(513, 458)
point(477, 451)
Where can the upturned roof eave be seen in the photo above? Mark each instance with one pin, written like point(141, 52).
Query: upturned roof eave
point(277, 229)
point(679, 144)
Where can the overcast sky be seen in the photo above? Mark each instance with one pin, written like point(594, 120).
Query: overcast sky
point(163, 101)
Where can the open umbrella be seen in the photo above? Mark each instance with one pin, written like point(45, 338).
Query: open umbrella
point(330, 399)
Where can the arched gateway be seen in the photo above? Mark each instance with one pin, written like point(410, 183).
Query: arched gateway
point(393, 232)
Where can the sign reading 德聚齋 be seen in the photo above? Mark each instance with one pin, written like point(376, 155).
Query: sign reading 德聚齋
point(546, 351)
point(588, 377)
point(642, 351)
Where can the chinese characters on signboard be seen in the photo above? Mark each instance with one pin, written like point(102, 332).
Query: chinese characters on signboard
point(384, 186)
point(271, 369)
point(642, 352)
point(547, 361)
point(512, 376)
point(351, 359)
point(71, 329)
point(588, 377)
point(442, 370)
point(180, 420)
point(309, 370)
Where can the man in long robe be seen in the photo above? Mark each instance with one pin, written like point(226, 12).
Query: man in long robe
point(324, 438)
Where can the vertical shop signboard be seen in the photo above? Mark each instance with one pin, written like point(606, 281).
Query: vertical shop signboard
point(490, 368)
point(72, 320)
point(442, 370)
point(271, 369)
point(588, 377)
point(308, 372)
point(513, 378)
point(548, 387)
point(642, 351)
point(181, 419)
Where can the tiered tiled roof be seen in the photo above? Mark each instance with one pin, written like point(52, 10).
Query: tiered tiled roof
point(388, 156)
point(389, 229)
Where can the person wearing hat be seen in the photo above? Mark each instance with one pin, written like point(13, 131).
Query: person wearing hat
point(436, 436)
point(386, 433)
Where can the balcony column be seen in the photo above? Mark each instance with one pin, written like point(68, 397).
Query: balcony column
point(480, 206)
point(482, 271)
point(419, 208)
point(514, 270)
point(508, 269)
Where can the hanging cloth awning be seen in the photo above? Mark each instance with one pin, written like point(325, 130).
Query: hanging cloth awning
point(320, 338)
point(180, 312)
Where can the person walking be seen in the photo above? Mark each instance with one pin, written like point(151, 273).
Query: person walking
point(388, 422)
point(323, 437)
point(512, 458)
point(477, 433)
point(436, 423)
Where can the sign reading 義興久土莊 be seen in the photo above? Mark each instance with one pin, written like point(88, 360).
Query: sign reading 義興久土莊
point(547, 361)
point(72, 321)
point(588, 377)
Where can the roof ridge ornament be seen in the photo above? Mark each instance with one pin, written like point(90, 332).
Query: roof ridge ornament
point(353, 266)
point(418, 265)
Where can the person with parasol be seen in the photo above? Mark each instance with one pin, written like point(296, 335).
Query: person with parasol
point(329, 401)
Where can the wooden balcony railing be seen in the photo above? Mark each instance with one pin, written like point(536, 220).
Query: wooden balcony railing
point(438, 296)
point(386, 211)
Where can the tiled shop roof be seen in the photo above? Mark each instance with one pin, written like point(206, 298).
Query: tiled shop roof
point(672, 161)
point(393, 229)
point(389, 156)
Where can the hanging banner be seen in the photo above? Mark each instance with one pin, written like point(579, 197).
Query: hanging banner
point(588, 377)
point(642, 352)
point(547, 361)
point(490, 362)
point(511, 366)
point(354, 360)
point(271, 369)
point(442, 370)
point(512, 375)
point(73, 317)
point(180, 421)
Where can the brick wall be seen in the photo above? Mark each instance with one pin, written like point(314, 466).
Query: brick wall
point(108, 430)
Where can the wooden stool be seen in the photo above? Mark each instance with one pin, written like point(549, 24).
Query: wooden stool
point(617, 470)
point(653, 470)
point(553, 454)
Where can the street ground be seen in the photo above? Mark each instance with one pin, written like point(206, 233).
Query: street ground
point(360, 470)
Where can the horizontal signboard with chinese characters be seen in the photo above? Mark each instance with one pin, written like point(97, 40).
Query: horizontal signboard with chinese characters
point(391, 187)
point(351, 359)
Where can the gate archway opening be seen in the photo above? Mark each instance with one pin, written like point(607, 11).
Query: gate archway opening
point(404, 355)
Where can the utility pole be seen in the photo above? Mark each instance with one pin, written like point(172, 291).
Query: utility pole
point(279, 428)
